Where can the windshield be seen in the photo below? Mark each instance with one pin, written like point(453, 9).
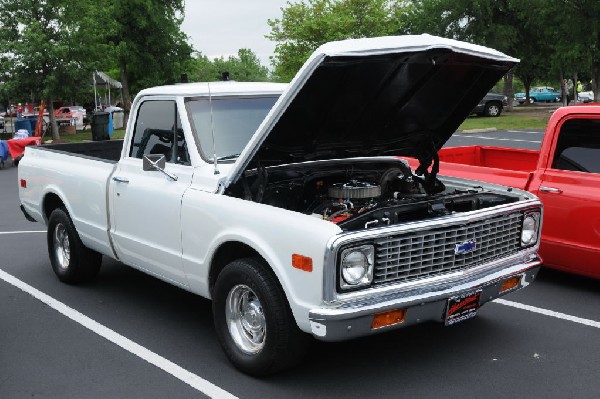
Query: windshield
point(234, 121)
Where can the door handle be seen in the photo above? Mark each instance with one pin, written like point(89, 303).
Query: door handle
point(120, 179)
point(553, 190)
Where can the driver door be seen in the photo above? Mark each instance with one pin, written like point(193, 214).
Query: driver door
point(146, 205)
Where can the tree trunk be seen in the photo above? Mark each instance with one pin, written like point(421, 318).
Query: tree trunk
point(508, 90)
point(52, 119)
point(595, 80)
point(575, 80)
point(564, 90)
point(125, 88)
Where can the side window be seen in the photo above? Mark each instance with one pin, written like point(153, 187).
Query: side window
point(156, 127)
point(578, 146)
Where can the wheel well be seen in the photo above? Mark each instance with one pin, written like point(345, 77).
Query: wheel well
point(227, 253)
point(51, 202)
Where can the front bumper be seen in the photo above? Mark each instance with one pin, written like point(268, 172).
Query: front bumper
point(354, 319)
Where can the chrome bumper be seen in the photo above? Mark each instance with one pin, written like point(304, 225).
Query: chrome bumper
point(353, 319)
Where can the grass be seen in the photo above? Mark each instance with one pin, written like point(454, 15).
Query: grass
point(507, 121)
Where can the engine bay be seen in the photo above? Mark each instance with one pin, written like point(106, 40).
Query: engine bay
point(360, 194)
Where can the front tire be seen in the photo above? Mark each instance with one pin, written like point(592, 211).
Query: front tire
point(253, 320)
point(492, 109)
point(72, 262)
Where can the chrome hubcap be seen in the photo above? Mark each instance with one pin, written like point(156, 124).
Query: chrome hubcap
point(62, 249)
point(245, 319)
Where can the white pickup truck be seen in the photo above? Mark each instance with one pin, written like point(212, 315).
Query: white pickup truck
point(288, 205)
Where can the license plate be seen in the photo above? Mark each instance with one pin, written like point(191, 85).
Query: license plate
point(462, 307)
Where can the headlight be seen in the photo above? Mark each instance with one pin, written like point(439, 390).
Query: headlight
point(356, 267)
point(531, 225)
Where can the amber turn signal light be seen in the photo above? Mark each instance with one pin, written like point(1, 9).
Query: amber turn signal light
point(302, 262)
point(510, 283)
point(388, 318)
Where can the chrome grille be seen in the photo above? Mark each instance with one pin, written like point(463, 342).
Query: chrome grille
point(427, 253)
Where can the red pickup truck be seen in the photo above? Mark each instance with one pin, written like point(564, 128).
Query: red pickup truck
point(564, 174)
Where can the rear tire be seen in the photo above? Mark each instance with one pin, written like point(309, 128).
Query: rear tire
point(253, 320)
point(72, 262)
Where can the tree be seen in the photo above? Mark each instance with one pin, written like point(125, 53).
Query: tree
point(149, 46)
point(47, 49)
point(245, 67)
point(307, 24)
point(514, 27)
point(582, 29)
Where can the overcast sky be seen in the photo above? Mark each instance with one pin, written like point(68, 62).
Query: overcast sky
point(221, 27)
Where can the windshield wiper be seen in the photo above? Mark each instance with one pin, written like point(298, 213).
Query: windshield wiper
point(228, 157)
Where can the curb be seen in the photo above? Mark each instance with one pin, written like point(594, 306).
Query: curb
point(488, 129)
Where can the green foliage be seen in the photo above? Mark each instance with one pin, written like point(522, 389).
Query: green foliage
point(47, 47)
point(307, 24)
point(150, 48)
point(245, 67)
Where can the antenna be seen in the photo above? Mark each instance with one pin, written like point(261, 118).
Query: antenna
point(212, 129)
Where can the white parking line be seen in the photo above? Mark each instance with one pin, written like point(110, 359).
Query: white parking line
point(499, 139)
point(525, 131)
point(551, 313)
point(21, 232)
point(193, 380)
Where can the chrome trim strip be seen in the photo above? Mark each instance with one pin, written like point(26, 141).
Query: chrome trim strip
point(367, 306)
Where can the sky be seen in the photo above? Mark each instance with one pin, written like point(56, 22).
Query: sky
point(221, 27)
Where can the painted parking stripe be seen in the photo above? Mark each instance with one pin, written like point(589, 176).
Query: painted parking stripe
point(21, 232)
point(499, 139)
point(193, 380)
point(526, 131)
point(551, 313)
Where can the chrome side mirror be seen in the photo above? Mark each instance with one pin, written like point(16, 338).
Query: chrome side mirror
point(156, 162)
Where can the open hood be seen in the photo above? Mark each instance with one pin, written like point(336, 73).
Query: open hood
point(402, 95)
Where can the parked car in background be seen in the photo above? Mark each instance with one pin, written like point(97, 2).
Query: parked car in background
point(491, 104)
point(538, 94)
point(11, 112)
point(585, 96)
point(71, 111)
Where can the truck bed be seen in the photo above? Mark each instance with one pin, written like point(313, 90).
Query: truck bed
point(79, 172)
point(109, 150)
point(506, 166)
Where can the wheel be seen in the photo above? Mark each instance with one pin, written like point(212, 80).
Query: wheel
point(492, 109)
point(253, 320)
point(71, 261)
point(532, 100)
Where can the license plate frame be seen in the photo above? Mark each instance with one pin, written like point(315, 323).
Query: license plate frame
point(462, 307)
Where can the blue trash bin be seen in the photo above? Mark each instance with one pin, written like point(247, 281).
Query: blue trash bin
point(33, 121)
point(20, 124)
point(110, 125)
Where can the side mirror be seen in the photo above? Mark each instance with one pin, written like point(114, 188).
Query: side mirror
point(156, 162)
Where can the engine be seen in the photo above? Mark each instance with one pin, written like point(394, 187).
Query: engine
point(361, 195)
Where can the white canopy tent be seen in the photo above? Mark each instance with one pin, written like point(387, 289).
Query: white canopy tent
point(104, 81)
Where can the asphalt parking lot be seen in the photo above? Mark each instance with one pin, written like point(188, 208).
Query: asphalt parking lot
point(128, 335)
